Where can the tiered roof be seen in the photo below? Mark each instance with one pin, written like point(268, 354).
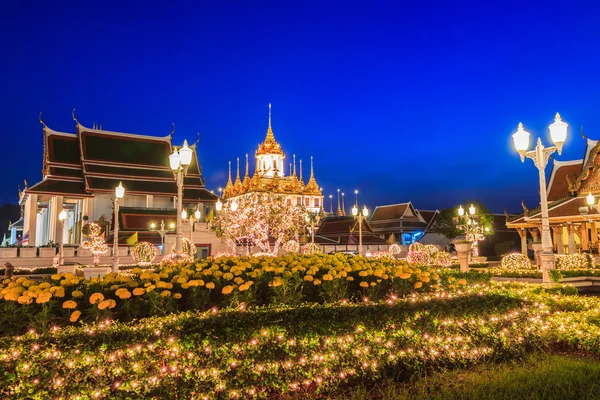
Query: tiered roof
point(344, 230)
point(94, 161)
point(396, 217)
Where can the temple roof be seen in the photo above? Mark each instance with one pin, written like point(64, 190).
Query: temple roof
point(404, 211)
point(562, 171)
point(338, 230)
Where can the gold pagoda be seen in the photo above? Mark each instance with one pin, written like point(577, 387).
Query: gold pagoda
point(269, 176)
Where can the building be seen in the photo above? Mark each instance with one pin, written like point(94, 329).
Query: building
point(80, 172)
point(401, 223)
point(269, 176)
point(573, 222)
point(341, 233)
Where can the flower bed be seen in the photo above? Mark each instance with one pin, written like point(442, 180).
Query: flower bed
point(275, 351)
point(290, 280)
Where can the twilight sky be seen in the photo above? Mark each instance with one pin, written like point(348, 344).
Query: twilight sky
point(401, 100)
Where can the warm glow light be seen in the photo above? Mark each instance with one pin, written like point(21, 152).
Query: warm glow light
point(234, 206)
point(558, 130)
point(590, 199)
point(365, 211)
point(354, 211)
point(153, 225)
point(521, 139)
point(120, 191)
point(183, 214)
point(186, 154)
point(461, 211)
point(219, 205)
point(174, 160)
point(197, 214)
point(172, 225)
point(63, 215)
point(472, 210)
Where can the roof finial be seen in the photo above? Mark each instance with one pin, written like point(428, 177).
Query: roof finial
point(238, 169)
point(312, 175)
point(74, 118)
point(172, 130)
point(301, 172)
point(269, 115)
point(290, 169)
point(344, 204)
point(294, 165)
point(197, 140)
point(229, 180)
point(581, 130)
point(246, 166)
point(339, 209)
point(42, 121)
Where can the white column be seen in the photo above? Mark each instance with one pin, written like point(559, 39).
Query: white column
point(57, 205)
point(30, 219)
point(571, 229)
point(149, 201)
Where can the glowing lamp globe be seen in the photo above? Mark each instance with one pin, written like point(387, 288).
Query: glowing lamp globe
point(197, 214)
point(461, 211)
point(558, 132)
point(175, 160)
point(521, 140)
point(172, 225)
point(590, 199)
point(183, 214)
point(120, 191)
point(62, 215)
point(234, 206)
point(472, 210)
point(354, 211)
point(152, 225)
point(307, 218)
point(365, 211)
point(219, 205)
point(186, 154)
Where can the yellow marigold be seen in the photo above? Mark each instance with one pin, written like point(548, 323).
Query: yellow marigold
point(57, 291)
point(451, 279)
point(243, 287)
point(228, 276)
point(45, 285)
point(182, 280)
point(364, 284)
point(404, 276)
point(56, 277)
point(177, 295)
point(69, 304)
point(317, 282)
point(196, 282)
point(24, 300)
point(349, 278)
point(43, 297)
point(12, 296)
point(308, 278)
point(418, 284)
point(96, 298)
point(138, 291)
point(103, 304)
point(124, 294)
point(435, 277)
point(75, 315)
point(238, 281)
point(327, 277)
point(185, 285)
point(435, 286)
point(210, 285)
point(115, 287)
point(150, 288)
point(425, 279)
point(425, 273)
point(165, 293)
point(462, 281)
point(363, 273)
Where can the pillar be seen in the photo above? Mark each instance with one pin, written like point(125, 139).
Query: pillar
point(571, 230)
point(523, 235)
point(30, 219)
point(594, 235)
point(558, 239)
point(149, 201)
point(584, 237)
point(57, 206)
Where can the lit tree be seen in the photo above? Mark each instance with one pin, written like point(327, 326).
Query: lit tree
point(95, 241)
point(260, 218)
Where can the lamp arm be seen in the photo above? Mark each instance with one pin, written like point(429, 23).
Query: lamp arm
point(540, 155)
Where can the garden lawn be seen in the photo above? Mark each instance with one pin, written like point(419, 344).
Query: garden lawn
point(548, 377)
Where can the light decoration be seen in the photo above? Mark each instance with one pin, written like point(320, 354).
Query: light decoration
point(95, 241)
point(291, 246)
point(187, 247)
point(311, 248)
point(442, 258)
point(176, 259)
point(395, 249)
point(515, 261)
point(574, 261)
point(144, 252)
point(417, 257)
point(145, 356)
point(256, 218)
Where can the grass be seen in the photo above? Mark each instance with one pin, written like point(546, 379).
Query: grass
point(546, 377)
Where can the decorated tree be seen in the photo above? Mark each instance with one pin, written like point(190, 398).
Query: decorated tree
point(264, 220)
point(187, 247)
point(95, 241)
point(144, 252)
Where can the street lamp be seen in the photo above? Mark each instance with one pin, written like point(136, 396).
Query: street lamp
point(179, 162)
point(361, 216)
point(312, 219)
point(162, 231)
point(540, 156)
point(62, 216)
point(119, 193)
point(234, 206)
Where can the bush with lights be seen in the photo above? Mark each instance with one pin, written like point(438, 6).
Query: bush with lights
point(516, 261)
point(144, 252)
point(574, 261)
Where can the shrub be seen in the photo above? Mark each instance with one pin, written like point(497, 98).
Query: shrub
point(144, 252)
point(442, 258)
point(311, 248)
point(574, 261)
point(291, 246)
point(418, 257)
point(515, 261)
point(395, 249)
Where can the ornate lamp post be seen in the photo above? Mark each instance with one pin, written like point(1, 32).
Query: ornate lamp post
point(162, 231)
point(62, 216)
point(313, 219)
point(540, 155)
point(119, 193)
point(180, 161)
point(361, 216)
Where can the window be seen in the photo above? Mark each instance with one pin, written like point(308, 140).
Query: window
point(298, 201)
point(317, 202)
point(306, 202)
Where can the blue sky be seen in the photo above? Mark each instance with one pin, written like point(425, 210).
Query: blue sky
point(401, 100)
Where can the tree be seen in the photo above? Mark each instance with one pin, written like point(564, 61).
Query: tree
point(259, 220)
point(445, 221)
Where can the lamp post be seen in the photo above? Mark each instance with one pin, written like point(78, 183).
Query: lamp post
point(179, 162)
point(540, 155)
point(361, 216)
point(62, 216)
point(119, 193)
point(162, 231)
point(312, 219)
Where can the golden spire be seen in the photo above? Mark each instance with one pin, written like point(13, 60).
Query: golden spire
point(290, 169)
point(246, 183)
point(294, 165)
point(229, 187)
point(270, 145)
point(312, 187)
point(343, 204)
point(238, 182)
point(339, 209)
point(301, 180)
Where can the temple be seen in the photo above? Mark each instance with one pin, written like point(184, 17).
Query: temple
point(402, 223)
point(269, 176)
point(573, 221)
point(80, 172)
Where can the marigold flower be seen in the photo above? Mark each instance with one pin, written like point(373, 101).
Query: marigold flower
point(165, 293)
point(75, 315)
point(43, 297)
point(327, 277)
point(350, 278)
point(125, 294)
point(76, 293)
point(69, 304)
point(57, 291)
point(24, 300)
point(227, 289)
point(462, 281)
point(96, 298)
point(243, 287)
point(317, 282)
point(12, 296)
point(138, 291)
point(103, 304)
point(418, 284)
point(308, 278)
point(210, 285)
point(177, 295)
